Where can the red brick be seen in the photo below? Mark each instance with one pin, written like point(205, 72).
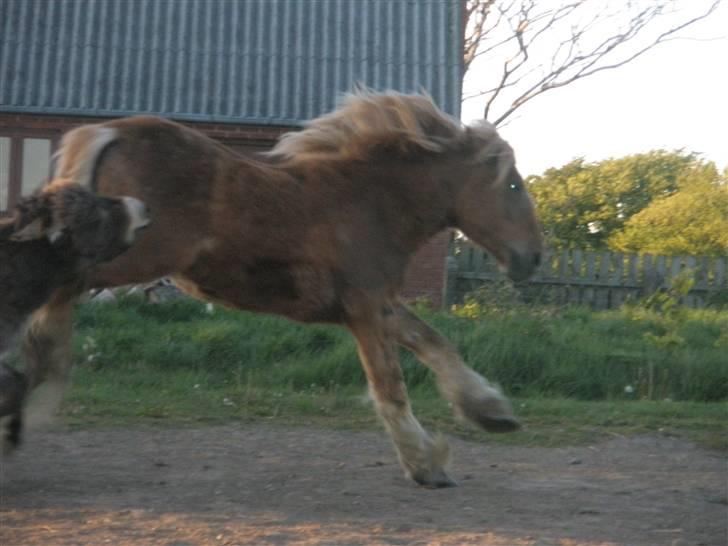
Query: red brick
point(425, 277)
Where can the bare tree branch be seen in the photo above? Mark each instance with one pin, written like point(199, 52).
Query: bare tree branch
point(476, 14)
point(540, 47)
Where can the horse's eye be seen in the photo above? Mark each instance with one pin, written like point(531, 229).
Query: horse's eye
point(514, 187)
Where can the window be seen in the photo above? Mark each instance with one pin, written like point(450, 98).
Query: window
point(24, 167)
point(36, 162)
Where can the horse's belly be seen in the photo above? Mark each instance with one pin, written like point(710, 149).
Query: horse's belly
point(298, 291)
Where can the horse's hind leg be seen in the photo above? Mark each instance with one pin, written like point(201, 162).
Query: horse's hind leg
point(471, 395)
point(47, 354)
point(422, 456)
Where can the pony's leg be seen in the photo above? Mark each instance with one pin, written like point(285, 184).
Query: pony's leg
point(471, 395)
point(47, 354)
point(422, 457)
point(13, 388)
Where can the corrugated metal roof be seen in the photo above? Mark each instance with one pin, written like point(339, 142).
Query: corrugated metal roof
point(256, 61)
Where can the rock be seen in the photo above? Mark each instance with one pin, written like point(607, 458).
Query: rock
point(105, 296)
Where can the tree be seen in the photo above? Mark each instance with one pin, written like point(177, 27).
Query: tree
point(583, 205)
point(525, 48)
point(694, 220)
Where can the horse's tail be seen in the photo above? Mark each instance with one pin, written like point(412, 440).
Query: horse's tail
point(80, 151)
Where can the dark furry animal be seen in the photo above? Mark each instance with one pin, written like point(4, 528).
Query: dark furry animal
point(49, 240)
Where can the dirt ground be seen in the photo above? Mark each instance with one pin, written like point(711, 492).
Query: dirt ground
point(272, 485)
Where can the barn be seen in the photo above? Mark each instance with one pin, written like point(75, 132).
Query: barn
point(241, 71)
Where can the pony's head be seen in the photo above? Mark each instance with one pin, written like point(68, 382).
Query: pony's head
point(491, 203)
point(94, 228)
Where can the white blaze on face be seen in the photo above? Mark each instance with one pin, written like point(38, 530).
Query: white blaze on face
point(138, 217)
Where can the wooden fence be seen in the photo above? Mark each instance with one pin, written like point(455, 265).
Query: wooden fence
point(600, 280)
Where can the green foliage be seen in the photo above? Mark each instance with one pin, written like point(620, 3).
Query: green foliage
point(694, 220)
point(498, 296)
point(546, 352)
point(669, 321)
point(667, 301)
point(583, 205)
point(222, 346)
point(654, 349)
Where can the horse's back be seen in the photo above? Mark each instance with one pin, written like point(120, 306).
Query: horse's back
point(177, 172)
point(218, 221)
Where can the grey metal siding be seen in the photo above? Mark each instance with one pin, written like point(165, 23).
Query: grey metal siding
point(256, 61)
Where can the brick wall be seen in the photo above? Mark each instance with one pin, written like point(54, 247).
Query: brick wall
point(55, 126)
point(425, 276)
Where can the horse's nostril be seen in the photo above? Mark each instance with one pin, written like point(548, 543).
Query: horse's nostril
point(537, 259)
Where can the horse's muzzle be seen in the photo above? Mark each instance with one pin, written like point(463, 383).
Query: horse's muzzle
point(522, 265)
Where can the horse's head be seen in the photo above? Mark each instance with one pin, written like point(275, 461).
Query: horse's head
point(492, 206)
point(473, 166)
point(94, 228)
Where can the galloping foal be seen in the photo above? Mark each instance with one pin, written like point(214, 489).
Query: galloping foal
point(320, 229)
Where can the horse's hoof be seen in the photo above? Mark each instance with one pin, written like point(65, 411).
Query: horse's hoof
point(492, 413)
point(10, 434)
point(434, 480)
point(506, 423)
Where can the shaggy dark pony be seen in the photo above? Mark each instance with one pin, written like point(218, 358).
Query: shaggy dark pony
point(51, 237)
point(320, 229)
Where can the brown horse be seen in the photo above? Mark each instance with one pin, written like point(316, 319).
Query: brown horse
point(320, 229)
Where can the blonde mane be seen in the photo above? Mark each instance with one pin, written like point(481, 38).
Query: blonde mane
point(368, 123)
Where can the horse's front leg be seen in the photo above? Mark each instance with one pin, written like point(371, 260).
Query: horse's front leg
point(471, 395)
point(422, 457)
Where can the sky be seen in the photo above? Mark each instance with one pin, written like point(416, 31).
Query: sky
point(675, 96)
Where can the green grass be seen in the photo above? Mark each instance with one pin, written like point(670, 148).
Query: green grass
point(177, 363)
point(575, 354)
point(186, 400)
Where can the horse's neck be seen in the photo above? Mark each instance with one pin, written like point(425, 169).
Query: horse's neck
point(406, 199)
point(424, 201)
point(410, 205)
